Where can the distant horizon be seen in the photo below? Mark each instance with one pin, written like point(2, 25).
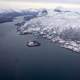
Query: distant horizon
point(24, 5)
point(43, 1)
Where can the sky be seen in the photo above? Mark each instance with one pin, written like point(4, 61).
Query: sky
point(61, 1)
point(22, 4)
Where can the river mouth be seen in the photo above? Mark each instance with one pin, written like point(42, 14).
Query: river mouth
point(46, 62)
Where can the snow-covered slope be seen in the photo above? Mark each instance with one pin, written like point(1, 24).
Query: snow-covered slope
point(7, 15)
point(61, 27)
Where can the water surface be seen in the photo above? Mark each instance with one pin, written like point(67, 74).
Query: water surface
point(47, 62)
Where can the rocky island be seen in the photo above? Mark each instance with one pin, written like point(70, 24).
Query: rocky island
point(33, 44)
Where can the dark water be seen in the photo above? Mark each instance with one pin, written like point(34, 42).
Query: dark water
point(47, 62)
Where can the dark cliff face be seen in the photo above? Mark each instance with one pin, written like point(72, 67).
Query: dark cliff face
point(30, 16)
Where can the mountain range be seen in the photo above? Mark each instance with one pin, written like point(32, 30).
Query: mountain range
point(61, 26)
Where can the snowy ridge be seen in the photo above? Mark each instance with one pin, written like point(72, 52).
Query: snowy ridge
point(61, 27)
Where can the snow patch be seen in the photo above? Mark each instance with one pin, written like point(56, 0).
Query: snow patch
point(61, 27)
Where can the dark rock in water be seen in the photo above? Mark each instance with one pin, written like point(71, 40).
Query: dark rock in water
point(22, 33)
point(33, 44)
point(20, 24)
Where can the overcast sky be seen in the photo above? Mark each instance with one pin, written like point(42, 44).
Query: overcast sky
point(39, 3)
point(59, 1)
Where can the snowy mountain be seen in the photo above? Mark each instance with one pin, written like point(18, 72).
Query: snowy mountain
point(61, 26)
point(7, 15)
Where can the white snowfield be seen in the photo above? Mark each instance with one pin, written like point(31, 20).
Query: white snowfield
point(61, 27)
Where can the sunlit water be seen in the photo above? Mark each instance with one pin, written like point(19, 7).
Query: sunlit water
point(45, 62)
